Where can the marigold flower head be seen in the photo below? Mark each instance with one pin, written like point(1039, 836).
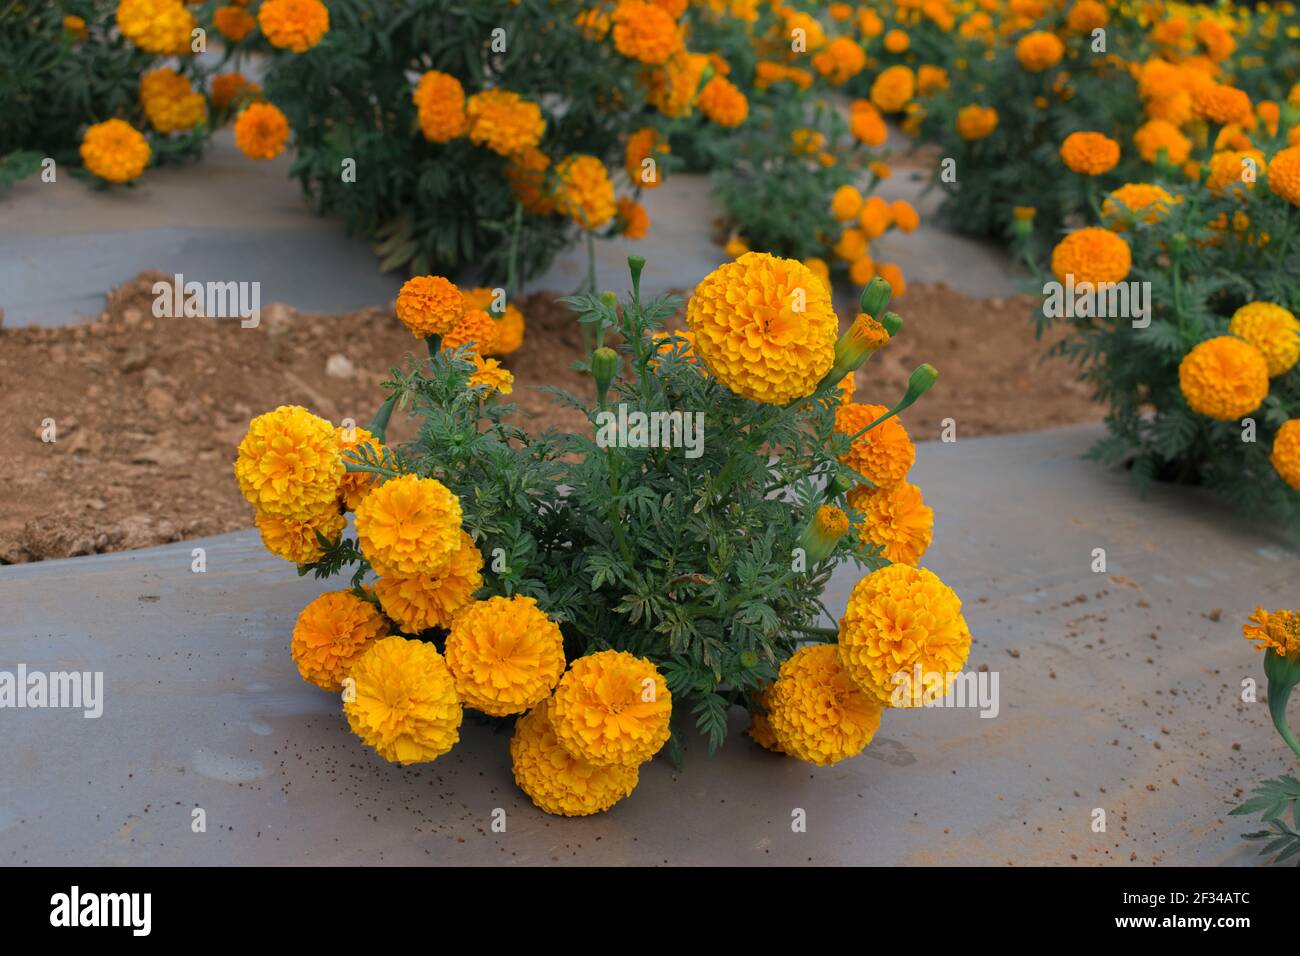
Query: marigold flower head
point(1221, 104)
point(875, 218)
point(330, 634)
point(636, 223)
point(846, 203)
point(409, 525)
point(674, 87)
point(1224, 378)
point(76, 27)
point(509, 326)
point(904, 215)
point(975, 122)
point(1157, 134)
point(526, 175)
point(1285, 457)
point(418, 602)
point(440, 103)
point(852, 244)
point(234, 23)
point(231, 87)
point(169, 101)
point(429, 305)
point(883, 455)
point(1284, 174)
point(115, 151)
point(862, 269)
point(296, 25)
point(489, 373)
point(612, 707)
point(645, 32)
point(1274, 630)
point(1145, 201)
point(893, 274)
point(1039, 51)
point(866, 124)
point(723, 102)
point(584, 191)
point(816, 712)
point(504, 122)
point(897, 619)
point(261, 131)
point(405, 704)
point(1092, 254)
point(555, 780)
point(841, 60)
point(894, 518)
point(505, 654)
point(760, 728)
point(355, 484)
point(641, 146)
point(1232, 167)
point(476, 329)
point(893, 88)
point(288, 464)
point(295, 540)
point(674, 340)
point(158, 26)
point(1273, 330)
point(1086, 16)
point(1090, 154)
point(896, 41)
point(764, 327)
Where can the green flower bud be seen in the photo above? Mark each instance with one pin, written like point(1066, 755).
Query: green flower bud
point(876, 296)
point(604, 366)
point(823, 533)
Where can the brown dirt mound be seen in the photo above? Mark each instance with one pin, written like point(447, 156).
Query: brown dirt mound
point(147, 412)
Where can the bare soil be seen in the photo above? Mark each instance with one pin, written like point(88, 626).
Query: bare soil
point(145, 413)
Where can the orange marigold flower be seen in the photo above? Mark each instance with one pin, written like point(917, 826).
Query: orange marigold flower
point(875, 218)
point(476, 329)
point(429, 305)
point(905, 215)
point(674, 87)
point(764, 327)
point(418, 602)
point(636, 223)
point(1222, 104)
point(1271, 329)
point(526, 175)
point(645, 32)
point(896, 41)
point(295, 540)
point(1286, 453)
point(816, 712)
point(861, 270)
point(409, 525)
point(1092, 254)
point(1086, 16)
point(642, 146)
point(405, 704)
point(893, 274)
point(931, 79)
point(115, 151)
point(852, 245)
point(893, 89)
point(1039, 51)
point(1232, 167)
point(158, 26)
point(261, 131)
point(296, 25)
point(229, 88)
point(584, 192)
point(1090, 154)
point(555, 780)
point(288, 464)
point(866, 124)
point(169, 101)
point(504, 122)
point(612, 707)
point(723, 102)
point(355, 484)
point(883, 455)
point(841, 60)
point(1284, 174)
point(1224, 378)
point(976, 122)
point(330, 634)
point(1136, 200)
point(440, 102)
point(894, 518)
point(846, 203)
point(234, 23)
point(510, 325)
point(1156, 135)
point(505, 654)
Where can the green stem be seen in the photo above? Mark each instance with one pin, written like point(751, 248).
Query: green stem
point(512, 264)
point(379, 424)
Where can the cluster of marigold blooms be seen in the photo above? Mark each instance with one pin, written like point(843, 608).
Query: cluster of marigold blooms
point(585, 726)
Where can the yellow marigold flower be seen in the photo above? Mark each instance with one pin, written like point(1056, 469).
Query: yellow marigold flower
point(764, 327)
point(233, 23)
point(295, 540)
point(422, 601)
point(931, 79)
point(429, 305)
point(555, 780)
point(1090, 154)
point(736, 247)
point(227, 88)
point(355, 484)
point(760, 728)
point(815, 710)
point(892, 274)
point(1271, 329)
point(158, 26)
point(509, 326)
point(261, 131)
point(1274, 630)
point(875, 218)
point(898, 619)
point(723, 102)
point(896, 41)
point(1039, 51)
point(893, 89)
point(852, 245)
point(1284, 174)
point(1231, 167)
point(641, 146)
point(1222, 104)
point(866, 124)
point(405, 703)
point(330, 634)
point(409, 525)
point(861, 270)
point(674, 87)
point(476, 329)
point(1092, 255)
point(885, 454)
point(288, 464)
point(1146, 201)
point(169, 101)
point(846, 203)
point(505, 654)
point(666, 342)
point(584, 191)
point(296, 25)
point(904, 215)
point(612, 707)
point(645, 32)
point(895, 518)
point(841, 60)
point(1286, 453)
point(489, 373)
point(504, 122)
point(1086, 16)
point(115, 151)
point(594, 23)
point(975, 122)
point(1270, 114)
point(1157, 134)
point(440, 102)
point(1224, 378)
point(526, 175)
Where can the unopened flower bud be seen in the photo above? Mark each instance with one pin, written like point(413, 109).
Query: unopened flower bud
point(604, 366)
point(858, 342)
point(876, 296)
point(823, 533)
point(609, 300)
